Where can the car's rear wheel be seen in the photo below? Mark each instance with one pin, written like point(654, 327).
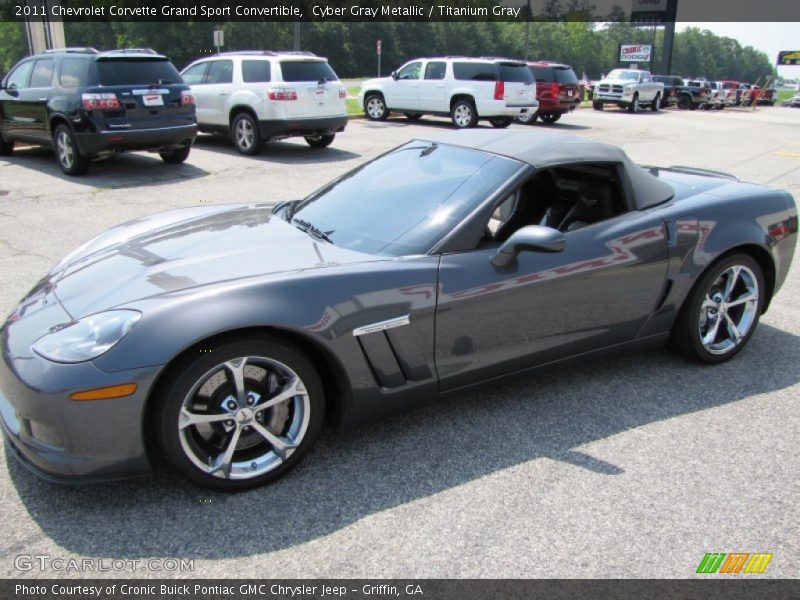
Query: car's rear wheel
point(177, 156)
point(722, 310)
point(375, 107)
point(550, 118)
point(597, 105)
point(656, 103)
point(684, 102)
point(71, 161)
point(527, 118)
point(501, 123)
point(240, 414)
point(413, 116)
point(320, 141)
point(463, 114)
point(246, 135)
point(6, 146)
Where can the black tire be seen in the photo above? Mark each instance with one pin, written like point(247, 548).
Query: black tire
point(6, 146)
point(597, 105)
point(182, 446)
point(684, 102)
point(501, 123)
point(375, 107)
point(245, 135)
point(177, 156)
point(527, 118)
point(69, 158)
point(656, 103)
point(463, 114)
point(633, 107)
point(687, 330)
point(706, 106)
point(549, 118)
point(413, 116)
point(322, 141)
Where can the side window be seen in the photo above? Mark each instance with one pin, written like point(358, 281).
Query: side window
point(220, 71)
point(474, 71)
point(256, 71)
point(645, 77)
point(410, 71)
point(73, 72)
point(435, 70)
point(195, 74)
point(19, 76)
point(42, 75)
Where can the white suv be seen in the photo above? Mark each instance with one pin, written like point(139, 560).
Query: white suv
point(257, 96)
point(466, 89)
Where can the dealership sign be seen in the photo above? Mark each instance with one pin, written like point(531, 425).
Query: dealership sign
point(789, 57)
point(635, 52)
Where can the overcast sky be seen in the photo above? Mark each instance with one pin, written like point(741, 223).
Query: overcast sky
point(770, 38)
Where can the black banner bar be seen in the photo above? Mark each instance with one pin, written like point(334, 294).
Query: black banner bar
point(713, 588)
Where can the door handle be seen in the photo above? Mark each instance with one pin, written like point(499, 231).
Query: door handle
point(43, 99)
point(224, 93)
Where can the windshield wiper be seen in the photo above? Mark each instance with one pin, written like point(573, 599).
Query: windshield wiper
point(307, 227)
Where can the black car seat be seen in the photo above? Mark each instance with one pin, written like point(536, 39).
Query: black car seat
point(531, 207)
point(595, 203)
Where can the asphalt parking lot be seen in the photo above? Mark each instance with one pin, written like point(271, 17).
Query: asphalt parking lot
point(629, 466)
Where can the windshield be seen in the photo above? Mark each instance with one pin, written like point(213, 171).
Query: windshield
point(403, 202)
point(623, 74)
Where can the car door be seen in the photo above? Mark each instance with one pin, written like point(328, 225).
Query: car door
point(432, 92)
point(11, 107)
point(195, 77)
point(29, 106)
point(404, 91)
point(647, 89)
point(599, 291)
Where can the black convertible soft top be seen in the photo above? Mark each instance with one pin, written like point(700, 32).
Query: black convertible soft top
point(545, 149)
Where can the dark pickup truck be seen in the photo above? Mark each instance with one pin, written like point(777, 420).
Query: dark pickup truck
point(693, 94)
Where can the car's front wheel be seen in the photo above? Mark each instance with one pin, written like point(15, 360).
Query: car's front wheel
point(375, 107)
point(597, 105)
point(246, 135)
point(177, 156)
point(500, 122)
point(722, 310)
point(633, 107)
point(320, 141)
point(71, 161)
point(241, 413)
point(656, 103)
point(463, 114)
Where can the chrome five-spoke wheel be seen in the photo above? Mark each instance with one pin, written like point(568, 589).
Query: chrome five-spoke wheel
point(722, 310)
point(240, 420)
point(729, 309)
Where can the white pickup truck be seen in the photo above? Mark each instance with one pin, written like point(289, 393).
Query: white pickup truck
point(629, 88)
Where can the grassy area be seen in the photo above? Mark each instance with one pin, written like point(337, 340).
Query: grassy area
point(785, 95)
point(353, 108)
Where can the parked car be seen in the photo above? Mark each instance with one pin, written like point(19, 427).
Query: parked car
point(735, 87)
point(88, 104)
point(793, 102)
point(693, 94)
point(446, 262)
point(257, 96)
point(629, 89)
point(557, 90)
point(720, 96)
point(671, 85)
point(767, 97)
point(466, 89)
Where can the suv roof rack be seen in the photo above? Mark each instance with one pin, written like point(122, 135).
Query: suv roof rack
point(266, 53)
point(75, 50)
point(131, 51)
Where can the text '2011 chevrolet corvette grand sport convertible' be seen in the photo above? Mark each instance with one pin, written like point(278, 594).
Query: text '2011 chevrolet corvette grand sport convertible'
point(222, 337)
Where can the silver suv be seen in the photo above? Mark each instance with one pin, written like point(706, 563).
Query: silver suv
point(466, 89)
point(257, 96)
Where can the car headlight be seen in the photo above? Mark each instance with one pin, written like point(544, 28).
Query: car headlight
point(87, 338)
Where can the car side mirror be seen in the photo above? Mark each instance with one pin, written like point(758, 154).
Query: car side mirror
point(535, 238)
point(394, 75)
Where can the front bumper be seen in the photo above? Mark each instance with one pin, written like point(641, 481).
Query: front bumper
point(283, 128)
point(615, 98)
point(162, 138)
point(68, 441)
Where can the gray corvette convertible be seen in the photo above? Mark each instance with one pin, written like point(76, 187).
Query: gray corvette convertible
point(223, 337)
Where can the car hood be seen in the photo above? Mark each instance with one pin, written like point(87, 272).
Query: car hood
point(183, 249)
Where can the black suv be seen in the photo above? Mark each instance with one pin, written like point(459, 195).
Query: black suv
point(88, 104)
